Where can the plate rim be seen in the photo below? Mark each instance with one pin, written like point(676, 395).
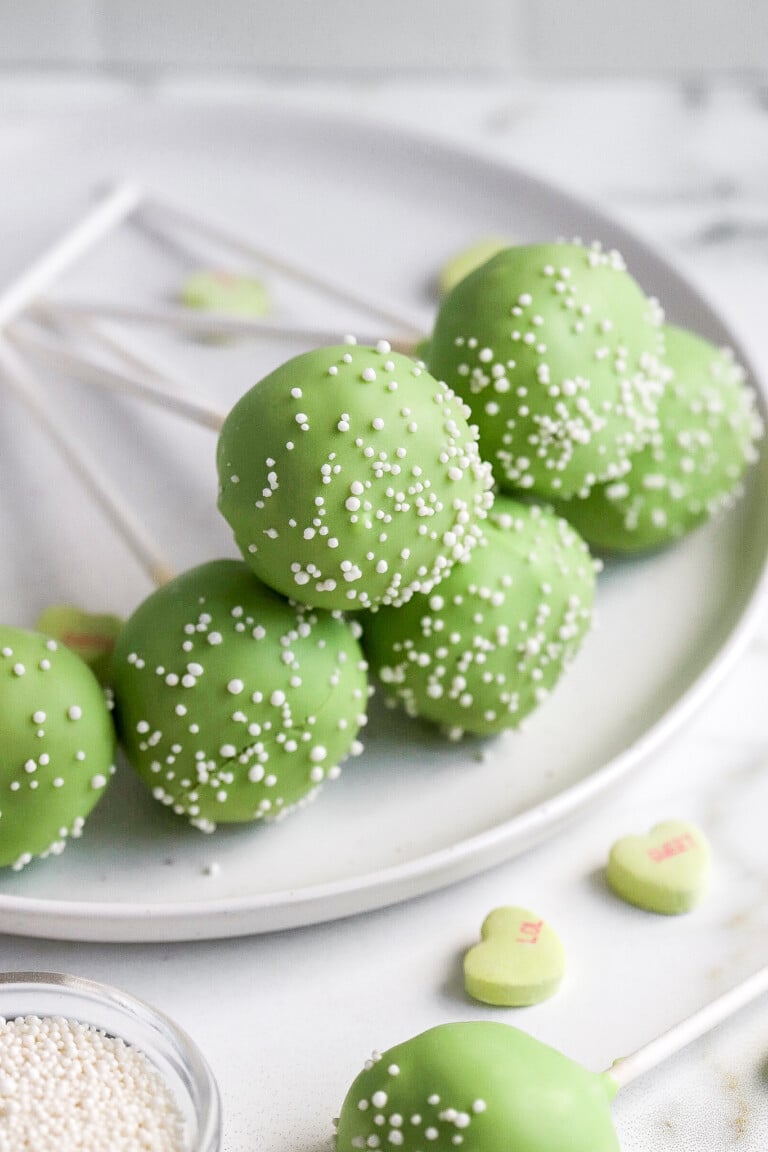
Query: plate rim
point(221, 918)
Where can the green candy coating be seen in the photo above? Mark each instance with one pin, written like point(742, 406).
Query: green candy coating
point(351, 478)
point(693, 465)
point(556, 350)
point(231, 703)
point(57, 746)
point(493, 1086)
point(488, 646)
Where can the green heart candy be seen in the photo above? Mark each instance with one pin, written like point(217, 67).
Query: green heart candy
point(459, 266)
point(480, 1086)
point(218, 291)
point(665, 871)
point(91, 636)
point(520, 961)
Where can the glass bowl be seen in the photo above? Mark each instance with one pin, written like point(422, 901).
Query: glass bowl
point(168, 1048)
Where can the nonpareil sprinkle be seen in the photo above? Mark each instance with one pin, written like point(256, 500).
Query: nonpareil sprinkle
point(67, 1086)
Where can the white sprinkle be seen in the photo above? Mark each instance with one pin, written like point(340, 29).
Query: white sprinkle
point(99, 781)
point(277, 699)
point(75, 712)
point(67, 1086)
point(214, 638)
point(235, 687)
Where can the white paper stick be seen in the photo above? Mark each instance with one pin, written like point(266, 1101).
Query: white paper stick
point(61, 359)
point(102, 335)
point(199, 322)
point(106, 216)
point(222, 235)
point(121, 516)
point(627, 1068)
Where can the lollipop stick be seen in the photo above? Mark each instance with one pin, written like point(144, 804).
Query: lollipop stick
point(89, 372)
point(198, 322)
point(105, 217)
point(120, 515)
point(627, 1068)
point(221, 235)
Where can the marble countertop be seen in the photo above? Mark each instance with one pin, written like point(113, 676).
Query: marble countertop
point(286, 1020)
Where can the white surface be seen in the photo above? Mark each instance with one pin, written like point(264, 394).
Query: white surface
point(412, 814)
point(287, 1019)
point(357, 37)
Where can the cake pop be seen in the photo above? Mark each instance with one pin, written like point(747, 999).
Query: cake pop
point(557, 351)
point(57, 746)
point(694, 463)
point(233, 704)
point(484, 1085)
point(351, 478)
point(491, 642)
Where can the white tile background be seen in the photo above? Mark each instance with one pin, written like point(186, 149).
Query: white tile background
point(343, 36)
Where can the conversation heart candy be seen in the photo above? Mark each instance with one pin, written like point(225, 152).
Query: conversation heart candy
point(90, 635)
point(519, 961)
point(664, 871)
point(467, 260)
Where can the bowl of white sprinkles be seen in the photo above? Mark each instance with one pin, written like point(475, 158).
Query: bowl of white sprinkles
point(87, 1067)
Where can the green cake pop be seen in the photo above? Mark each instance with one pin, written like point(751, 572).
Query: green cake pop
point(692, 467)
point(556, 350)
point(57, 746)
point(233, 704)
point(483, 1085)
point(489, 644)
point(351, 478)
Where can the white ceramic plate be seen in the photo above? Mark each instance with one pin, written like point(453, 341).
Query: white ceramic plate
point(383, 210)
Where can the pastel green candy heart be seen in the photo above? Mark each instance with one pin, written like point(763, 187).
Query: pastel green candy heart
point(467, 260)
point(91, 636)
point(665, 871)
point(520, 961)
point(483, 1085)
point(226, 292)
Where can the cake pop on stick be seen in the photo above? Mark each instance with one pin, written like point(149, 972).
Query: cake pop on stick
point(108, 214)
point(494, 1088)
point(23, 384)
point(161, 212)
point(195, 322)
